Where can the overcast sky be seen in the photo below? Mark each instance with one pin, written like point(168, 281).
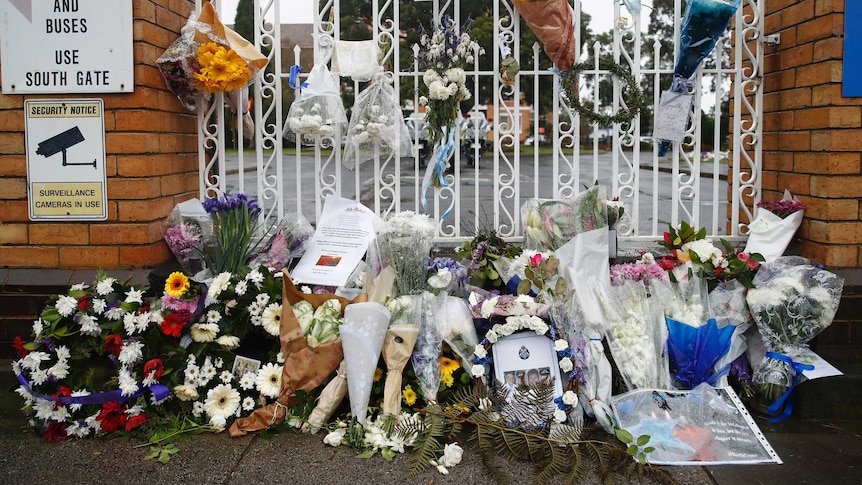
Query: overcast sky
point(302, 11)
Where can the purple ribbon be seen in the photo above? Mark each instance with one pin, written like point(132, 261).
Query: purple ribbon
point(160, 392)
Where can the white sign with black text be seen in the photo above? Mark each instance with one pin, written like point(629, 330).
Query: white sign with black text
point(66, 46)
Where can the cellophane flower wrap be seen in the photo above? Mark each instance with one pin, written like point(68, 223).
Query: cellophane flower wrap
point(636, 335)
point(235, 221)
point(99, 362)
point(187, 230)
point(377, 127)
point(317, 112)
point(696, 341)
point(287, 241)
point(549, 224)
point(772, 230)
point(793, 302)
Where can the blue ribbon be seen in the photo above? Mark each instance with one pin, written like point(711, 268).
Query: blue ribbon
point(160, 392)
point(294, 74)
point(786, 398)
point(443, 152)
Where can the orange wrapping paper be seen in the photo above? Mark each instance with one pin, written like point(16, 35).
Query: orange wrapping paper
point(551, 21)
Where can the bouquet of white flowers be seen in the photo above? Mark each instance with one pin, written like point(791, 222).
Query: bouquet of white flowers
point(376, 125)
point(793, 301)
point(317, 111)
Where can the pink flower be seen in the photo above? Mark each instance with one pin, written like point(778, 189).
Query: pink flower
point(535, 260)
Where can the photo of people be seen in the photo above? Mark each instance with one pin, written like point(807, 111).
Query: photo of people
point(524, 361)
point(243, 365)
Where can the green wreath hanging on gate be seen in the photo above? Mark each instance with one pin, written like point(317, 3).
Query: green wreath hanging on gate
point(635, 101)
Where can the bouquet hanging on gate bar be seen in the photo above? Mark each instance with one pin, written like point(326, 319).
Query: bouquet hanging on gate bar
point(208, 58)
point(551, 21)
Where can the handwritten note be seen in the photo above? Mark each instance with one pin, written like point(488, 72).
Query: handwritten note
point(672, 116)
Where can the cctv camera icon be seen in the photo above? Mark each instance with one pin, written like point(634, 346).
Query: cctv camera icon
point(62, 142)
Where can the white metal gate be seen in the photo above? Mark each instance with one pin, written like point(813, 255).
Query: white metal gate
point(686, 185)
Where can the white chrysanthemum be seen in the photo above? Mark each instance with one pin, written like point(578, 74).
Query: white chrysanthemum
point(222, 401)
point(105, 286)
point(225, 376)
point(79, 287)
point(197, 409)
point(247, 404)
point(89, 326)
point(268, 380)
point(60, 370)
point(37, 327)
point(99, 306)
point(135, 410)
point(262, 299)
point(39, 376)
point(246, 382)
point(204, 332)
point(279, 357)
point(66, 305)
point(271, 319)
point(78, 429)
point(34, 359)
point(62, 352)
point(229, 342)
point(142, 321)
point(132, 352)
point(135, 295)
point(78, 393)
point(115, 313)
point(218, 285)
point(128, 383)
point(44, 408)
point(218, 362)
point(240, 288)
point(129, 324)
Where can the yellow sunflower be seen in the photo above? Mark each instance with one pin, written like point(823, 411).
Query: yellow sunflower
point(378, 373)
point(409, 395)
point(177, 284)
point(448, 366)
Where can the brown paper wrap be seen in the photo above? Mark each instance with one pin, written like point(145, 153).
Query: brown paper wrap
point(397, 349)
point(551, 21)
point(305, 368)
point(220, 34)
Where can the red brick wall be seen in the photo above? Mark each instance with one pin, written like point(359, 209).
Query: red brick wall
point(151, 147)
point(812, 136)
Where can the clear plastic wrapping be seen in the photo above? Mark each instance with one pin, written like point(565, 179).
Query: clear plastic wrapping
point(376, 128)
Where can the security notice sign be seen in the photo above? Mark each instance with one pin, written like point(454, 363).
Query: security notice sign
point(66, 46)
point(66, 177)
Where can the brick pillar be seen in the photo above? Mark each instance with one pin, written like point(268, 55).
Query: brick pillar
point(812, 136)
point(151, 164)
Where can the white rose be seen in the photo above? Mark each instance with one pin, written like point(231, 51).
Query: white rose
point(492, 336)
point(452, 454)
point(334, 438)
point(478, 370)
point(559, 416)
point(560, 345)
point(570, 398)
point(566, 364)
point(480, 352)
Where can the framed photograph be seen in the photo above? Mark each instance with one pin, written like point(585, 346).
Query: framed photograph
point(525, 359)
point(243, 365)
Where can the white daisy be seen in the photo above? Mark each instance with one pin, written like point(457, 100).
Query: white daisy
point(197, 409)
point(272, 319)
point(135, 295)
point(247, 404)
point(240, 288)
point(105, 286)
point(279, 357)
point(268, 380)
point(213, 316)
point(218, 362)
point(226, 376)
point(262, 299)
point(66, 305)
point(246, 382)
point(44, 409)
point(222, 401)
point(204, 332)
point(255, 277)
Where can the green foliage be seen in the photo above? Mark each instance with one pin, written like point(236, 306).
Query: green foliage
point(479, 255)
point(631, 91)
point(162, 453)
point(636, 448)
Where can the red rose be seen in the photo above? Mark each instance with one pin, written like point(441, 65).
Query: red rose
point(113, 344)
point(174, 322)
point(536, 260)
point(18, 343)
point(667, 263)
point(56, 432)
point(156, 366)
point(112, 417)
point(135, 421)
point(84, 303)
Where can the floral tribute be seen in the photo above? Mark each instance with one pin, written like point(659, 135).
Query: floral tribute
point(221, 69)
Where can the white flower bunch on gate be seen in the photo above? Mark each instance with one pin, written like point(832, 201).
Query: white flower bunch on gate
point(311, 122)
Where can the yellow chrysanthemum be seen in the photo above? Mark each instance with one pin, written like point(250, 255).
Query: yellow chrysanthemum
point(408, 395)
point(177, 284)
point(221, 69)
point(447, 380)
point(448, 366)
point(378, 373)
